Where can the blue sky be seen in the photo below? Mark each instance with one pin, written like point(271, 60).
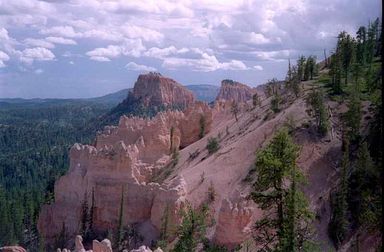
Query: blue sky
point(87, 48)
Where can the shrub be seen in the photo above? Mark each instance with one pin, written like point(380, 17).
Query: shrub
point(202, 126)
point(212, 145)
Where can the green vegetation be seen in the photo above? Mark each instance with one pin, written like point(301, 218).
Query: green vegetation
point(316, 100)
point(256, 100)
point(202, 126)
point(355, 77)
point(310, 68)
point(35, 137)
point(285, 225)
point(212, 145)
point(192, 228)
point(235, 110)
point(338, 225)
point(275, 103)
point(34, 143)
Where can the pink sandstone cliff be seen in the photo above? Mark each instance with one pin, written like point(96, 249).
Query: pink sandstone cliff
point(235, 91)
point(123, 161)
point(157, 90)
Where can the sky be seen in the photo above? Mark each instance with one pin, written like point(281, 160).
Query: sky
point(88, 48)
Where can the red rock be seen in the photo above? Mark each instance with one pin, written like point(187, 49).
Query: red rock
point(234, 91)
point(157, 90)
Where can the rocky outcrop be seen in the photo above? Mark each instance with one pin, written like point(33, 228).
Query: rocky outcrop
point(157, 90)
point(146, 249)
point(234, 91)
point(118, 170)
point(12, 249)
point(235, 222)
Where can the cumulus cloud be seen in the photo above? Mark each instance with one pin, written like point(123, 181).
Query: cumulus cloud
point(60, 40)
point(161, 53)
point(38, 43)
point(38, 53)
point(185, 35)
point(63, 31)
point(132, 48)
point(137, 67)
point(206, 63)
point(3, 57)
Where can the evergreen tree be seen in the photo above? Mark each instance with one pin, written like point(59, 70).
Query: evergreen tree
point(316, 101)
point(287, 215)
point(202, 126)
point(301, 67)
point(346, 48)
point(338, 225)
point(353, 116)
point(360, 184)
point(91, 216)
point(120, 227)
point(84, 216)
point(361, 49)
point(192, 229)
point(235, 110)
point(335, 72)
point(256, 100)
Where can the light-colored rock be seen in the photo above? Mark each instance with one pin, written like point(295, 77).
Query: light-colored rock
point(146, 249)
point(153, 89)
point(12, 249)
point(234, 91)
point(235, 222)
point(124, 159)
point(79, 244)
point(103, 246)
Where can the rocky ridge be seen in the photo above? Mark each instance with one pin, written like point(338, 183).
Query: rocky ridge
point(234, 91)
point(122, 163)
point(153, 89)
point(128, 160)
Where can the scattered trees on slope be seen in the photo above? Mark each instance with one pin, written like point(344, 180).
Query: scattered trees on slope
point(192, 229)
point(286, 223)
point(316, 101)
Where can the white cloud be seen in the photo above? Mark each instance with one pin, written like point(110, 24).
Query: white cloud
point(112, 51)
point(161, 53)
point(258, 38)
point(100, 58)
point(130, 47)
point(38, 43)
point(136, 67)
point(60, 40)
point(258, 67)
point(38, 53)
point(63, 31)
point(271, 55)
point(3, 57)
point(206, 63)
point(71, 62)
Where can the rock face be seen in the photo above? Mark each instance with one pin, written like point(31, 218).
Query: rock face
point(235, 91)
point(12, 249)
point(157, 90)
point(235, 222)
point(118, 171)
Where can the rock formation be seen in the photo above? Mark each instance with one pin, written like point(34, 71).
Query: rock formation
point(157, 90)
point(122, 164)
point(133, 166)
point(146, 249)
point(234, 91)
point(235, 222)
point(12, 249)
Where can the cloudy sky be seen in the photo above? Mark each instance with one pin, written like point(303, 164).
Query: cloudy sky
point(85, 48)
